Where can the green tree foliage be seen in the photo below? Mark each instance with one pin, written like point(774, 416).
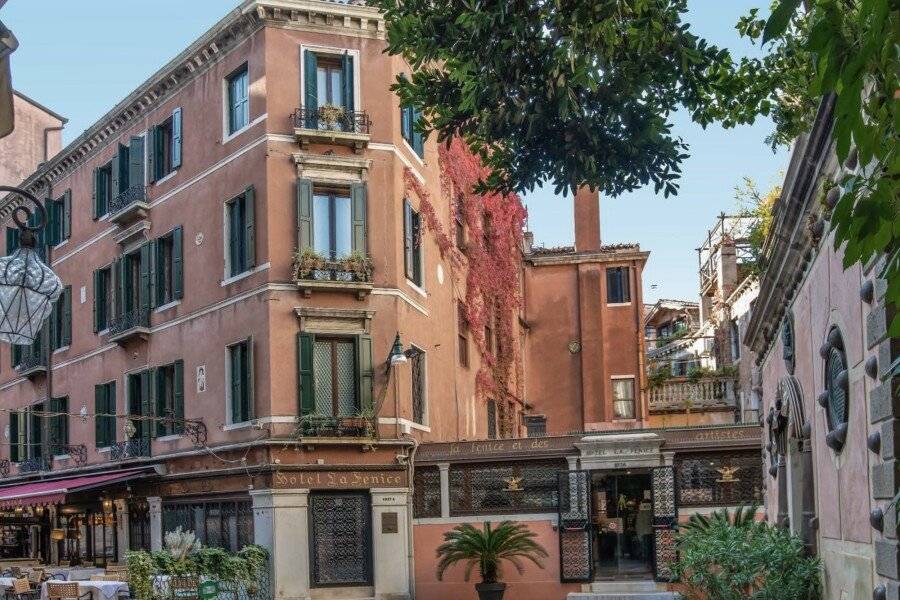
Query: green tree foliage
point(725, 557)
point(487, 548)
point(572, 91)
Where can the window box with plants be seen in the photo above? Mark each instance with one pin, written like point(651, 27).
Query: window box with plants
point(313, 271)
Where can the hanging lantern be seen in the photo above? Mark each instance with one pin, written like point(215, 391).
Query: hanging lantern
point(28, 287)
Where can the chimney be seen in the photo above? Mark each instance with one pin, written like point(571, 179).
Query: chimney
point(587, 220)
point(527, 242)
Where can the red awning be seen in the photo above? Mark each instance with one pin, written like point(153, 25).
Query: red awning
point(52, 492)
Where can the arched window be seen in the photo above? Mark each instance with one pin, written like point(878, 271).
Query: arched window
point(835, 399)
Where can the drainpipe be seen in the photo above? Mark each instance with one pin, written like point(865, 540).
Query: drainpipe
point(411, 471)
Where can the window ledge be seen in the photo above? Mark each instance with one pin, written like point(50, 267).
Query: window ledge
point(235, 134)
point(167, 306)
point(243, 275)
point(61, 457)
point(416, 288)
point(103, 450)
point(357, 141)
point(239, 426)
point(360, 288)
point(166, 177)
point(170, 438)
point(61, 244)
point(61, 349)
point(415, 155)
point(618, 303)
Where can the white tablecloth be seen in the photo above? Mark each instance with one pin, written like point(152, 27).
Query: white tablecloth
point(76, 573)
point(100, 590)
point(6, 582)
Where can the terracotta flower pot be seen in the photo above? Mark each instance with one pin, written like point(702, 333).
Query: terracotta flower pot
point(490, 591)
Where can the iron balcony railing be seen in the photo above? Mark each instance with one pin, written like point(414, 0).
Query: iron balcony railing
point(136, 193)
point(35, 464)
point(133, 448)
point(334, 270)
point(138, 317)
point(30, 362)
point(326, 118)
point(324, 426)
point(77, 453)
point(682, 393)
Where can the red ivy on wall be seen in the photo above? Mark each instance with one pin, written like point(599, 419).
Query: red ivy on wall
point(492, 252)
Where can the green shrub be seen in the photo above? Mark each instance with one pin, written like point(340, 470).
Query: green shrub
point(721, 560)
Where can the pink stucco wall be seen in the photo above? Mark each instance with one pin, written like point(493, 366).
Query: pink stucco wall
point(533, 584)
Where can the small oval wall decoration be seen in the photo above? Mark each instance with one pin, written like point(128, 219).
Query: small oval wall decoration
point(574, 346)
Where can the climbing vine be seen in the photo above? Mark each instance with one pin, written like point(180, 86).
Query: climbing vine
point(490, 259)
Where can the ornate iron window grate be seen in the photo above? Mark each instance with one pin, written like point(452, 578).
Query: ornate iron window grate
point(719, 479)
point(224, 524)
point(340, 539)
point(417, 371)
point(427, 492)
point(496, 488)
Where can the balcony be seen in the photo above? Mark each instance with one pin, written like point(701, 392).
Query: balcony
point(352, 274)
point(332, 125)
point(129, 206)
point(35, 465)
point(134, 324)
point(330, 427)
point(680, 394)
point(129, 449)
point(32, 365)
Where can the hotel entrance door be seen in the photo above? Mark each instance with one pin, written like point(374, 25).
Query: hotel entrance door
point(623, 524)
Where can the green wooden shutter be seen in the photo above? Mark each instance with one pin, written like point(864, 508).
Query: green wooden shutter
point(136, 161)
point(178, 263)
point(406, 123)
point(347, 81)
point(407, 239)
point(95, 198)
point(305, 375)
point(366, 371)
point(234, 357)
point(310, 93)
point(14, 436)
point(67, 316)
point(118, 272)
point(116, 174)
point(418, 143)
point(111, 410)
point(147, 266)
point(151, 154)
point(358, 215)
point(97, 293)
point(54, 323)
point(235, 227)
point(148, 386)
point(249, 232)
point(176, 138)
point(304, 214)
point(178, 400)
point(50, 228)
point(100, 407)
point(67, 215)
point(417, 248)
point(250, 380)
point(54, 432)
point(12, 240)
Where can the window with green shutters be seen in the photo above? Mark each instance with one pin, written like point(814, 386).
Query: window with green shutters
point(12, 240)
point(240, 384)
point(167, 267)
point(412, 243)
point(328, 81)
point(103, 298)
point(331, 221)
point(16, 436)
point(238, 88)
point(240, 233)
point(409, 118)
point(164, 146)
point(35, 424)
point(59, 219)
point(140, 404)
point(335, 374)
point(104, 414)
point(103, 190)
point(58, 426)
point(61, 320)
point(169, 397)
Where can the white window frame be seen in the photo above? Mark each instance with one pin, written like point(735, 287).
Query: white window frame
point(226, 236)
point(226, 106)
point(336, 51)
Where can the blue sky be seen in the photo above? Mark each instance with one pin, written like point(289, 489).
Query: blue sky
point(80, 58)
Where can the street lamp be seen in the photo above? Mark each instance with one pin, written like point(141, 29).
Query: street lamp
point(397, 356)
point(28, 287)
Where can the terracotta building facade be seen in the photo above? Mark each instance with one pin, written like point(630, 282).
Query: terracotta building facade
point(828, 383)
point(257, 328)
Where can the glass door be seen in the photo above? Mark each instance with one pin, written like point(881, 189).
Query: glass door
point(624, 525)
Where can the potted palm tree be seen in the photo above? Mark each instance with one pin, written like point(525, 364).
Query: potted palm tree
point(487, 548)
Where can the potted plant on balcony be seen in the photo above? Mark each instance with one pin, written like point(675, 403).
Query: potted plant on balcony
point(359, 265)
point(487, 548)
point(306, 262)
point(331, 116)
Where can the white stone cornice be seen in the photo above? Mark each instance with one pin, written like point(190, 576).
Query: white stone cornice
point(318, 15)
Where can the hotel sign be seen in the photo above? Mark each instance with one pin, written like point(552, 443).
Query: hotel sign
point(338, 480)
point(495, 448)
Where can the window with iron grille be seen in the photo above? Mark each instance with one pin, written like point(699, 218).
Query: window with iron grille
point(719, 478)
point(504, 487)
point(536, 425)
point(419, 391)
point(427, 492)
point(836, 381)
point(226, 524)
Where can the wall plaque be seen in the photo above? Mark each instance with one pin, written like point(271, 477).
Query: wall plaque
point(389, 522)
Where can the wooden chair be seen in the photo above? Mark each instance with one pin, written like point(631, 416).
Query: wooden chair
point(36, 576)
point(22, 590)
point(66, 591)
point(184, 588)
